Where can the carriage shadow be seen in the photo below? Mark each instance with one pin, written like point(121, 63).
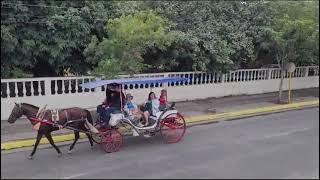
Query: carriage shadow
point(130, 144)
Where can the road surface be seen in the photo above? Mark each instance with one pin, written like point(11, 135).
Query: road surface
point(281, 145)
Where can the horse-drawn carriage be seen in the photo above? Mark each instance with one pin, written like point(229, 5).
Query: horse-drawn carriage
point(169, 122)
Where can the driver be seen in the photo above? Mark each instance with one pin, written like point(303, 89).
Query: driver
point(112, 102)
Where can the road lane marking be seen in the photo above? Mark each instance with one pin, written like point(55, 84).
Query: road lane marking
point(286, 133)
point(75, 176)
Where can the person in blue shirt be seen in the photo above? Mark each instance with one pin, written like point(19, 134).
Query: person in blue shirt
point(132, 109)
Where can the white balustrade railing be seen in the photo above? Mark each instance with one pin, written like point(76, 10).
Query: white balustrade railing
point(70, 85)
point(313, 71)
point(40, 86)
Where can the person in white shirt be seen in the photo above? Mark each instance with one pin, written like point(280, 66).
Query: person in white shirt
point(151, 107)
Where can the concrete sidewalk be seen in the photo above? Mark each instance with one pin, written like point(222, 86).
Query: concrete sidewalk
point(22, 129)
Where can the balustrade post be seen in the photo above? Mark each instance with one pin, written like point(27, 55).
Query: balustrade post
point(47, 87)
point(63, 88)
point(269, 71)
point(223, 78)
point(69, 86)
point(306, 72)
point(76, 86)
point(8, 90)
point(16, 90)
point(24, 91)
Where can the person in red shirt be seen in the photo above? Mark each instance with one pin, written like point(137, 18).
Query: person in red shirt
point(163, 99)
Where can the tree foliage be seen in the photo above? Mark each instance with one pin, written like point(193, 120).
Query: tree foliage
point(294, 35)
point(129, 36)
point(226, 31)
point(44, 38)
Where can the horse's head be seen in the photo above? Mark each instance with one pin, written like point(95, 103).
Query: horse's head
point(16, 113)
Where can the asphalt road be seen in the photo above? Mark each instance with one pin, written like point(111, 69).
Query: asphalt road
point(281, 145)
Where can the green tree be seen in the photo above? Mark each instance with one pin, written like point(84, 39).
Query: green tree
point(46, 37)
point(294, 35)
point(226, 32)
point(129, 37)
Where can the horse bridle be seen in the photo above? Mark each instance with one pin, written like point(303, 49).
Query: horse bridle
point(19, 110)
point(19, 105)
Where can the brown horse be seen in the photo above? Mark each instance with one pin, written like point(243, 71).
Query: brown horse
point(78, 115)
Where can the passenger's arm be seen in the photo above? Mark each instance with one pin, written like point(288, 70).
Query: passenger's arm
point(125, 108)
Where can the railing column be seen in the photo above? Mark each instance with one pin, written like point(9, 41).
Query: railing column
point(76, 86)
point(39, 89)
point(223, 77)
point(24, 91)
point(306, 72)
point(56, 86)
point(269, 71)
point(47, 87)
point(69, 86)
point(63, 88)
point(8, 90)
point(16, 90)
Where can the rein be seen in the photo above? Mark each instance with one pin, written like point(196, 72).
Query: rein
point(42, 121)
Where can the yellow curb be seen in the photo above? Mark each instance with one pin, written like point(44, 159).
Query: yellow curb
point(189, 120)
point(30, 142)
point(272, 108)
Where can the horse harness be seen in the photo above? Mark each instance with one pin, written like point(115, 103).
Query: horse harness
point(55, 116)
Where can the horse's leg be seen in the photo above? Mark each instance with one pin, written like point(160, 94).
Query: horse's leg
point(49, 137)
point(76, 137)
point(39, 136)
point(90, 139)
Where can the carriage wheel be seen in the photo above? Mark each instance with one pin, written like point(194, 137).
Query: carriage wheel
point(172, 128)
point(111, 140)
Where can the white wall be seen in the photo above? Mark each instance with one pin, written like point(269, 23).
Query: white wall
point(247, 81)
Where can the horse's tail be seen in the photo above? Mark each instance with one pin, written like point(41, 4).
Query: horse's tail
point(89, 117)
